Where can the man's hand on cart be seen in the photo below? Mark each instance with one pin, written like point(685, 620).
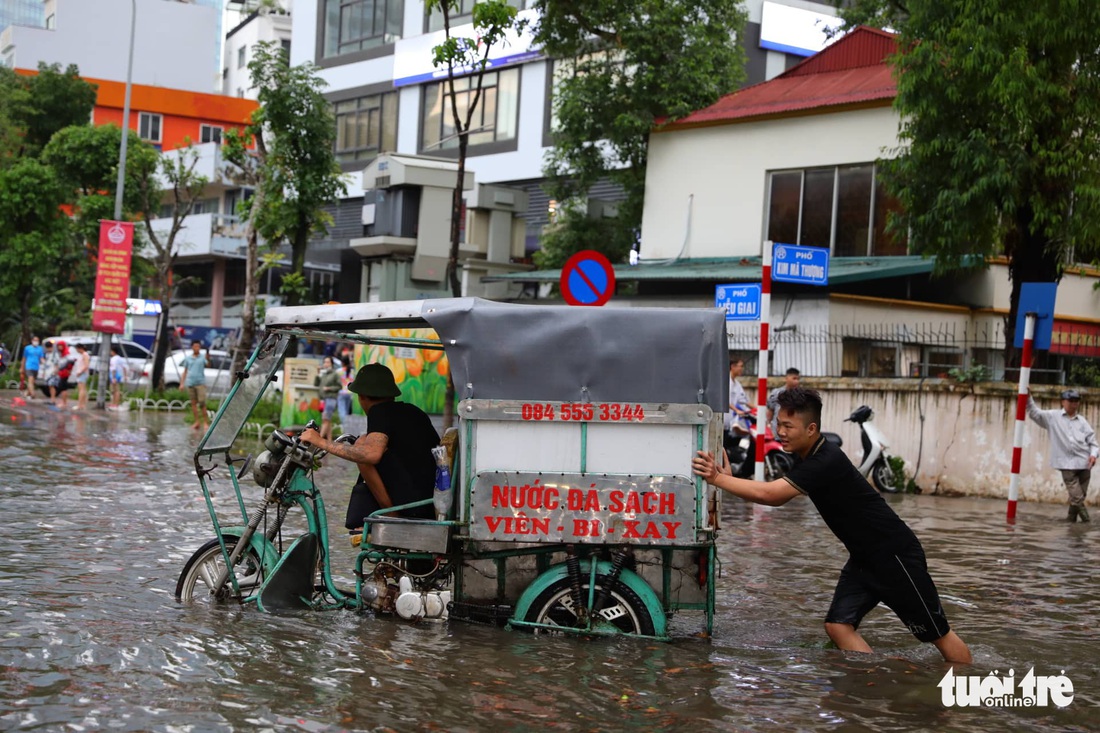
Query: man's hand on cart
point(705, 465)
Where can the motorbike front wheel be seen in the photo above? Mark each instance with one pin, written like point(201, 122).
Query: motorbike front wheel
point(883, 477)
point(196, 583)
point(623, 610)
point(777, 464)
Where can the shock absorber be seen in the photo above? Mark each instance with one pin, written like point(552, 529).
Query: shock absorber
point(618, 559)
point(573, 565)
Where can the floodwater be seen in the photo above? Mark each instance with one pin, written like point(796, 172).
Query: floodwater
point(101, 512)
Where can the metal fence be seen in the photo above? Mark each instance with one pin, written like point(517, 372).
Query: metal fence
point(976, 351)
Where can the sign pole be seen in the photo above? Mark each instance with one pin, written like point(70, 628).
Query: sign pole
point(1021, 415)
point(762, 361)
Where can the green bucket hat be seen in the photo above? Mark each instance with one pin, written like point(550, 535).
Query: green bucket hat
point(374, 380)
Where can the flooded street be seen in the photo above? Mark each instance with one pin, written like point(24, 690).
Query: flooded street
point(101, 512)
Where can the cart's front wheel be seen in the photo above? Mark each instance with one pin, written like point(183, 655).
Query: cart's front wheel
point(622, 610)
point(196, 583)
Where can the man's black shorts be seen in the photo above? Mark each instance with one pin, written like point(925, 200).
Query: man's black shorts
point(900, 581)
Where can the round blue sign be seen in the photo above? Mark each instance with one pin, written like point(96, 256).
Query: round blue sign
point(587, 279)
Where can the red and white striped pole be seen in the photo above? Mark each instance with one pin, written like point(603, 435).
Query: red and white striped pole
point(762, 361)
point(1021, 415)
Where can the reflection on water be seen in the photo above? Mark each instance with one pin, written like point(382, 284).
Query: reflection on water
point(100, 513)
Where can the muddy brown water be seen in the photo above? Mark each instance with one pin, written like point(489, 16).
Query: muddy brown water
point(99, 514)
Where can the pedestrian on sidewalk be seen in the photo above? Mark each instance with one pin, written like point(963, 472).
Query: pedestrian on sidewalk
point(117, 375)
point(32, 361)
point(81, 371)
point(1073, 448)
point(194, 381)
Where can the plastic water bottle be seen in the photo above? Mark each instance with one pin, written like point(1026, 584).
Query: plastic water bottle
point(443, 497)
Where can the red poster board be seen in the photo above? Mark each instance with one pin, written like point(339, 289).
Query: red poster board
point(112, 280)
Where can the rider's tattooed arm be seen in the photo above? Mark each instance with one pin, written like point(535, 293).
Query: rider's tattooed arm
point(367, 449)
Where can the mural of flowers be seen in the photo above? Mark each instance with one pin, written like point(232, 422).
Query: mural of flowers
point(421, 374)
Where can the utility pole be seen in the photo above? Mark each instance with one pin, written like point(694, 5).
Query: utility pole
point(105, 344)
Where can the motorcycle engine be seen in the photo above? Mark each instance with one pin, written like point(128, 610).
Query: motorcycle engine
point(265, 468)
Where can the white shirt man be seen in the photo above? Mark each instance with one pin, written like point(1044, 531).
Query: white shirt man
point(1073, 448)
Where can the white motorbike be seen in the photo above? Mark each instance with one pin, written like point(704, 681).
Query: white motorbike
point(875, 465)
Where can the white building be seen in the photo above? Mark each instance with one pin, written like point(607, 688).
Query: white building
point(173, 42)
point(258, 26)
point(378, 68)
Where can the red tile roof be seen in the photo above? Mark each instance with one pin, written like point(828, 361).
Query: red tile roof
point(850, 72)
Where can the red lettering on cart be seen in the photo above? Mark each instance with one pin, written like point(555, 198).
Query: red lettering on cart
point(580, 500)
point(528, 496)
point(586, 528)
point(650, 531)
point(521, 524)
point(649, 502)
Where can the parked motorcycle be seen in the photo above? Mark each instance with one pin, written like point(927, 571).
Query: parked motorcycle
point(741, 448)
point(875, 465)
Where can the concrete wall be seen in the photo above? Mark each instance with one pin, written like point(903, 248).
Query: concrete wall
point(963, 443)
point(173, 43)
point(723, 169)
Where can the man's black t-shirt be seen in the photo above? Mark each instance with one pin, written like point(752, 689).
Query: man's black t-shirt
point(407, 467)
point(855, 512)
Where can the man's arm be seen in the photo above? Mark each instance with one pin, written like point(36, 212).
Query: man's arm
point(368, 448)
point(1093, 446)
point(772, 493)
point(1033, 411)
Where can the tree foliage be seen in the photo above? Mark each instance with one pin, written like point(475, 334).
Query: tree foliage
point(623, 68)
point(35, 241)
point(299, 174)
point(492, 21)
point(1000, 148)
point(34, 107)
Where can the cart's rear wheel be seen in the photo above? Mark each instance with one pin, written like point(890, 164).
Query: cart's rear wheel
point(205, 566)
point(623, 610)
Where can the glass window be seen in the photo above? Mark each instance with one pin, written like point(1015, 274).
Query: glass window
point(853, 210)
point(785, 206)
point(884, 243)
point(149, 127)
point(817, 208)
point(359, 25)
point(210, 134)
point(495, 118)
point(843, 208)
point(462, 14)
point(242, 56)
point(365, 126)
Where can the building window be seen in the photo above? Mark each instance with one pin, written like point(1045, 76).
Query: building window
point(365, 126)
point(149, 127)
point(358, 25)
point(210, 134)
point(242, 56)
point(285, 46)
point(495, 118)
point(463, 13)
point(841, 208)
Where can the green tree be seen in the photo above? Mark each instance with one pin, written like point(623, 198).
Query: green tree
point(623, 68)
point(39, 105)
point(492, 21)
point(179, 187)
point(1000, 153)
point(35, 240)
point(299, 174)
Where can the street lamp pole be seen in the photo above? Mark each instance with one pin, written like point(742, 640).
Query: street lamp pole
point(105, 344)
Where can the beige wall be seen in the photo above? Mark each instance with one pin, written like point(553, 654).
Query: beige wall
point(722, 169)
point(967, 436)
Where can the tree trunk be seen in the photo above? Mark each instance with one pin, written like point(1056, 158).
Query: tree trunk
point(160, 346)
point(452, 271)
point(298, 247)
point(251, 294)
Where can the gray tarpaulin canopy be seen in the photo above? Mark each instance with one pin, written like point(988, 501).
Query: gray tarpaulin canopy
point(553, 352)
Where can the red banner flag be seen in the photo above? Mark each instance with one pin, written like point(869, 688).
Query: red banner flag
point(112, 280)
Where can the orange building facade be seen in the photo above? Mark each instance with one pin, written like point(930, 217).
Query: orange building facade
point(168, 118)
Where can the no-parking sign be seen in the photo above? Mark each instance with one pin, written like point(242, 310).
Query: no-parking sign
point(587, 279)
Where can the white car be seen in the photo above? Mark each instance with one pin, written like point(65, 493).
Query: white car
point(219, 376)
point(139, 362)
